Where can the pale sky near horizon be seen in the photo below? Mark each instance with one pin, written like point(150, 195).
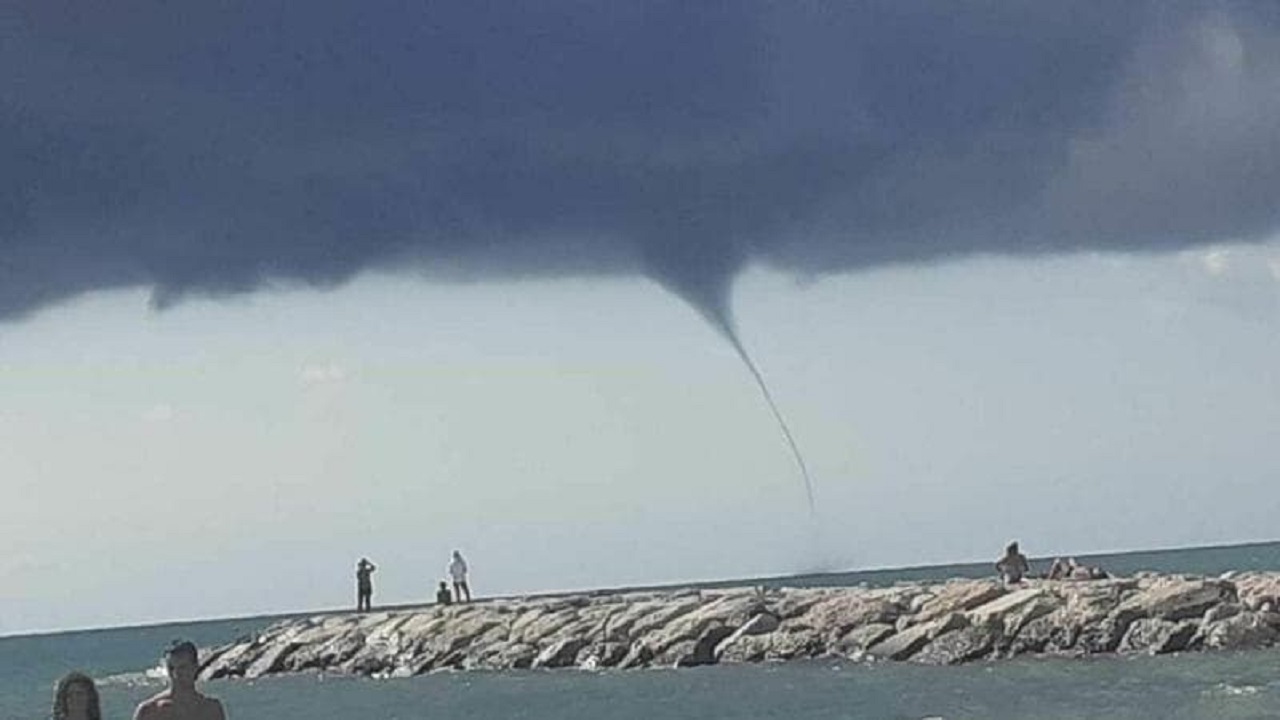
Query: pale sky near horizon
point(231, 457)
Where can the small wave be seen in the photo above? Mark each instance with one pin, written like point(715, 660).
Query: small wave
point(1228, 690)
point(151, 676)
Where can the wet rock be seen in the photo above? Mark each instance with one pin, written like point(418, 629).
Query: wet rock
point(602, 655)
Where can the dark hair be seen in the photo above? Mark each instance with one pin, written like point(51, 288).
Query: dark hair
point(64, 686)
point(182, 647)
point(1013, 547)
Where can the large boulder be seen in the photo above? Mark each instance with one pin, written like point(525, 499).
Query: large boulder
point(836, 615)
point(722, 615)
point(643, 618)
point(562, 653)
point(856, 641)
point(1258, 591)
point(1245, 631)
point(958, 596)
point(761, 624)
point(1103, 636)
point(698, 652)
point(335, 651)
point(1156, 636)
point(1176, 599)
point(540, 623)
point(957, 646)
point(786, 643)
point(1044, 634)
point(902, 645)
point(794, 602)
point(1014, 610)
point(503, 656)
point(602, 655)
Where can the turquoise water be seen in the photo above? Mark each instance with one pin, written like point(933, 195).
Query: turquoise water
point(1223, 685)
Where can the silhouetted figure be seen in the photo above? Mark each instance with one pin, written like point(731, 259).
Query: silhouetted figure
point(76, 698)
point(442, 595)
point(181, 701)
point(1013, 566)
point(458, 572)
point(364, 585)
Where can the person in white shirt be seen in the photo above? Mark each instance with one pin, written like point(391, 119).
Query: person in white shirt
point(458, 572)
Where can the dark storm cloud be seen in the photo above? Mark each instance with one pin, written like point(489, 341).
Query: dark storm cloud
point(213, 147)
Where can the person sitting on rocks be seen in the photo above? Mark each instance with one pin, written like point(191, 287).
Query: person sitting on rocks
point(442, 595)
point(1078, 571)
point(1013, 566)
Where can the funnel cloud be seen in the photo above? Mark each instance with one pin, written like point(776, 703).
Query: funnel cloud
point(217, 149)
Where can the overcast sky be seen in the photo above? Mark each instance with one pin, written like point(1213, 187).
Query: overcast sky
point(282, 287)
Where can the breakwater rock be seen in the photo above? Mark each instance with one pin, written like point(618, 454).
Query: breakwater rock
point(942, 623)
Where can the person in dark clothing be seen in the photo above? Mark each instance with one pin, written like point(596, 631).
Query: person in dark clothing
point(442, 595)
point(1013, 566)
point(364, 585)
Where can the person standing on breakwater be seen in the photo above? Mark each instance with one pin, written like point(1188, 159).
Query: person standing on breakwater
point(458, 571)
point(76, 698)
point(442, 595)
point(181, 701)
point(364, 585)
point(1013, 566)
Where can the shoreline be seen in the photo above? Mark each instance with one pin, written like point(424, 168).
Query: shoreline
point(942, 622)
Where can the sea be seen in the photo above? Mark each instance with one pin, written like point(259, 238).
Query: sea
point(1217, 686)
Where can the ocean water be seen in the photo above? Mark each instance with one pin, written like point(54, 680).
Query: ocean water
point(1204, 685)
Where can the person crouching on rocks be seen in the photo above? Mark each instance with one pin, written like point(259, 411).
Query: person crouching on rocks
point(1013, 566)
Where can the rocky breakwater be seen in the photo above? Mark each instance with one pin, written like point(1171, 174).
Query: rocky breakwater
point(944, 623)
